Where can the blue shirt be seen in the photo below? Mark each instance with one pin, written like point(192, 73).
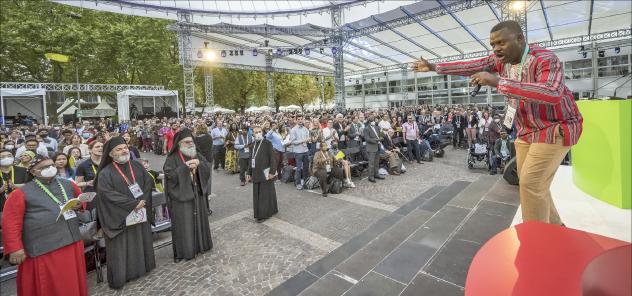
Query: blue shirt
point(277, 141)
point(219, 132)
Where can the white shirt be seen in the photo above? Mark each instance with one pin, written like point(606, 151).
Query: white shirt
point(384, 125)
point(41, 150)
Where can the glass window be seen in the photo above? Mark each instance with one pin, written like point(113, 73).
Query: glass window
point(421, 80)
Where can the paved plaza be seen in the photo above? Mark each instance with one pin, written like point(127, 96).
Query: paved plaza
point(252, 259)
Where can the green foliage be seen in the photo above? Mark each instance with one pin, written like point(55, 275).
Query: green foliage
point(121, 49)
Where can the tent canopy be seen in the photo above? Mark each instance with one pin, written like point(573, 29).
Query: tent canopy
point(147, 101)
point(29, 102)
point(379, 34)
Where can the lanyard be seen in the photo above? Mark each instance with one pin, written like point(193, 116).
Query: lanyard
point(50, 194)
point(94, 170)
point(12, 173)
point(123, 175)
point(524, 57)
point(245, 142)
point(257, 149)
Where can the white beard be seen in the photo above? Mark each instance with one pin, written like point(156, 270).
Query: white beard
point(121, 159)
point(188, 151)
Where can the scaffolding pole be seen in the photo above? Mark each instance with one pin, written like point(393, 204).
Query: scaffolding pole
point(338, 54)
point(186, 60)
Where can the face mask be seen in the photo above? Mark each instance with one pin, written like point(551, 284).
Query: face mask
point(258, 136)
point(372, 122)
point(9, 147)
point(7, 161)
point(86, 135)
point(496, 120)
point(49, 172)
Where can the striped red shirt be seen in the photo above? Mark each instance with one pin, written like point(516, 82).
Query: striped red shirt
point(545, 101)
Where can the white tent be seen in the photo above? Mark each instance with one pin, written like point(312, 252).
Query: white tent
point(147, 101)
point(252, 109)
point(290, 108)
point(222, 110)
point(29, 102)
point(265, 108)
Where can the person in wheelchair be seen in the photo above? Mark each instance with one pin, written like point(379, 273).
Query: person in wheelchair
point(503, 151)
point(390, 153)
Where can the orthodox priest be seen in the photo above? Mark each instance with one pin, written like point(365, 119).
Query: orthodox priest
point(187, 185)
point(263, 171)
point(47, 247)
point(124, 211)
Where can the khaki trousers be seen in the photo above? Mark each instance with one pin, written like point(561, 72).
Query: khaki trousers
point(537, 164)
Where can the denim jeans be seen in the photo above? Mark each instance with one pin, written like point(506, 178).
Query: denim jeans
point(413, 145)
point(302, 167)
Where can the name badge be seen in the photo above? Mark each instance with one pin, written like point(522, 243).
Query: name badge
point(509, 116)
point(253, 163)
point(69, 214)
point(246, 150)
point(135, 190)
point(328, 168)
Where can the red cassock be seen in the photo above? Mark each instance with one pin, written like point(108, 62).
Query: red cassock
point(60, 272)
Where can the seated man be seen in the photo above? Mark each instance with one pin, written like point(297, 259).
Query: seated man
point(503, 152)
point(391, 153)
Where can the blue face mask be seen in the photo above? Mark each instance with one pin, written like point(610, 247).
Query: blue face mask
point(86, 136)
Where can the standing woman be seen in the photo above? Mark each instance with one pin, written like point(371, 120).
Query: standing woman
point(231, 154)
point(483, 127)
point(63, 168)
point(76, 142)
point(133, 151)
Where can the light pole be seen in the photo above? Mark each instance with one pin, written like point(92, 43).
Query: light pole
point(78, 94)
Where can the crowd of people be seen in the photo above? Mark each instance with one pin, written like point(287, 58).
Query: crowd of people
point(320, 149)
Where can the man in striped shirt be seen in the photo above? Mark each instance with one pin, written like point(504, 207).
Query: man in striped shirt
point(547, 120)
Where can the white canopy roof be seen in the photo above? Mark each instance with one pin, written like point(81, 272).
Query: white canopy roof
point(290, 108)
point(21, 92)
point(380, 35)
point(104, 106)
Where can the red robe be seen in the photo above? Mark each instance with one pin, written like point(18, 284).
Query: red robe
point(60, 272)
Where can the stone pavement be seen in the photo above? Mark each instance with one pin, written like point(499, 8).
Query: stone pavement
point(252, 259)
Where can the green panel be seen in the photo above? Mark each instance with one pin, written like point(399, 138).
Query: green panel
point(602, 160)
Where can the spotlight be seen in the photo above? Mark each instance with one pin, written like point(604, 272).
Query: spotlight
point(241, 52)
point(617, 49)
point(322, 50)
point(254, 52)
point(223, 54)
point(517, 5)
point(602, 53)
point(334, 50)
point(584, 54)
point(307, 51)
point(209, 55)
point(230, 53)
point(582, 48)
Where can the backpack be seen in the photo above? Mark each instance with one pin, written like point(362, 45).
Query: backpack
point(335, 186)
point(287, 174)
point(312, 183)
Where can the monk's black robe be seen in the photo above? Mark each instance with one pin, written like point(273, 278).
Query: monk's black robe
point(187, 197)
point(264, 198)
point(130, 251)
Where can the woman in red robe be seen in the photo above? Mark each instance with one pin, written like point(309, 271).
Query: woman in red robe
point(49, 251)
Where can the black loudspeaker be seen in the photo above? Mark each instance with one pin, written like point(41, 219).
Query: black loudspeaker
point(511, 172)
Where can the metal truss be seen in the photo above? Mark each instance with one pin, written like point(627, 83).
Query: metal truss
point(386, 44)
point(186, 60)
point(290, 12)
point(269, 80)
point(83, 87)
point(276, 70)
point(558, 43)
point(507, 12)
point(592, 6)
point(208, 88)
point(546, 19)
point(465, 27)
point(403, 84)
point(339, 66)
point(266, 30)
point(421, 23)
point(407, 20)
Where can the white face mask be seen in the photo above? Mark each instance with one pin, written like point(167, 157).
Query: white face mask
point(9, 147)
point(7, 161)
point(496, 120)
point(259, 136)
point(49, 172)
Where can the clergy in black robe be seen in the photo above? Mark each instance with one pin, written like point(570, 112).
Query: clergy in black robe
point(129, 246)
point(187, 185)
point(263, 192)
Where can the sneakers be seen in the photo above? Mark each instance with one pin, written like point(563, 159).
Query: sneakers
point(299, 187)
point(349, 184)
